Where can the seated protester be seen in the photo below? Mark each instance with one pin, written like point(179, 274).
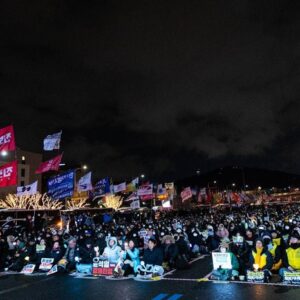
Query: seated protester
point(100, 241)
point(241, 250)
point(112, 250)
point(170, 251)
point(85, 259)
point(261, 260)
point(70, 258)
point(222, 232)
point(197, 242)
point(291, 256)
point(226, 274)
point(130, 258)
point(40, 251)
point(183, 251)
point(153, 256)
point(276, 238)
point(56, 252)
point(250, 238)
point(212, 241)
point(20, 258)
point(274, 250)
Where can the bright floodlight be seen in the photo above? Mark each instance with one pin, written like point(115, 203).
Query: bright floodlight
point(4, 153)
point(84, 167)
point(143, 176)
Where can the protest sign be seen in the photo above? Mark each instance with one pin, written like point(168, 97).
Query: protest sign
point(46, 264)
point(102, 267)
point(221, 260)
point(28, 269)
point(255, 276)
point(291, 277)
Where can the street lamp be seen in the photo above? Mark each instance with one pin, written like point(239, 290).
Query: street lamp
point(84, 167)
point(143, 176)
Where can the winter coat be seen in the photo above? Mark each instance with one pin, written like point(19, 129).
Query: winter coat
point(154, 256)
point(112, 253)
point(134, 257)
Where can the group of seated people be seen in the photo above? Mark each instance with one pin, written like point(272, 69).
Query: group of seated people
point(258, 239)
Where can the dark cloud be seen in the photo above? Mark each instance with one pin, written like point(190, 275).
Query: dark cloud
point(157, 87)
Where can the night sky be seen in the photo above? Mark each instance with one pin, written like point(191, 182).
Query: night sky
point(155, 87)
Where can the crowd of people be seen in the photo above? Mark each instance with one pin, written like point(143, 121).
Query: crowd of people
point(259, 239)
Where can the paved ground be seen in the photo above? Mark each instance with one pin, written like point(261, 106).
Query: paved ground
point(179, 285)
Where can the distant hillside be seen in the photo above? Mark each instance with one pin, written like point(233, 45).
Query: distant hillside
point(224, 178)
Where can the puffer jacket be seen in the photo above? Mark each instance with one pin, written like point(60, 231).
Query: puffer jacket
point(112, 253)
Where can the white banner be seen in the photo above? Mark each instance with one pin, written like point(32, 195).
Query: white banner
point(120, 187)
point(132, 197)
point(145, 190)
point(29, 189)
point(52, 141)
point(85, 183)
point(135, 204)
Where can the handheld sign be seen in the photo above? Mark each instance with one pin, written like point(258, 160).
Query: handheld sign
point(102, 267)
point(28, 269)
point(46, 264)
point(221, 260)
point(255, 276)
point(53, 270)
point(291, 277)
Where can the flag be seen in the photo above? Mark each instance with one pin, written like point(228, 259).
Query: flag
point(50, 165)
point(29, 189)
point(61, 186)
point(135, 181)
point(135, 204)
point(85, 183)
point(120, 187)
point(52, 141)
point(7, 139)
point(144, 190)
point(102, 187)
point(8, 174)
point(132, 186)
point(186, 194)
point(147, 197)
point(132, 197)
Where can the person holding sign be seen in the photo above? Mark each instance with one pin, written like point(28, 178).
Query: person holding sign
point(291, 256)
point(261, 260)
point(225, 264)
point(130, 258)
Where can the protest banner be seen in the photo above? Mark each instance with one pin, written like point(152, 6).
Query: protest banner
point(102, 267)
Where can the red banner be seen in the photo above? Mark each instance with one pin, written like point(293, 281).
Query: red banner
point(186, 194)
point(8, 174)
point(50, 165)
point(7, 139)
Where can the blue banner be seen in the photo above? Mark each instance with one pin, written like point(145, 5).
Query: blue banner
point(102, 187)
point(61, 186)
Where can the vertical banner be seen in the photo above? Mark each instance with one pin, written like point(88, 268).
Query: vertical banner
point(7, 139)
point(8, 174)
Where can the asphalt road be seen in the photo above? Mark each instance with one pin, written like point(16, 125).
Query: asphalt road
point(179, 285)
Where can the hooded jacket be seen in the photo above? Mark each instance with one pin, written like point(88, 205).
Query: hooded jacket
point(112, 253)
